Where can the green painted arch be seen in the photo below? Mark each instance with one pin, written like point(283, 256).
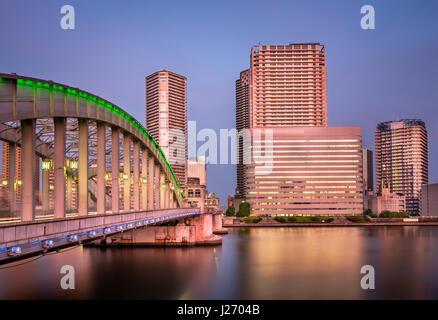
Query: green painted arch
point(106, 111)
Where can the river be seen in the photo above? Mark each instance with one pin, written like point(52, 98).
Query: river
point(252, 263)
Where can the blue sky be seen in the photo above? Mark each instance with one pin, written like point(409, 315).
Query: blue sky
point(376, 75)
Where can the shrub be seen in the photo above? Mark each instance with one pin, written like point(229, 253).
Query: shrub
point(231, 211)
point(389, 214)
point(244, 209)
point(254, 219)
point(304, 219)
point(358, 218)
point(285, 219)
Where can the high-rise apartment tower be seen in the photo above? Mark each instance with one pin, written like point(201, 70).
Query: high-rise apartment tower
point(166, 118)
point(402, 158)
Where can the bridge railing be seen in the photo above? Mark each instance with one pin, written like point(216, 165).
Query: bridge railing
point(31, 236)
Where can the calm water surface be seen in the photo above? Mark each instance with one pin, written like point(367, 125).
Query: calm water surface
point(258, 263)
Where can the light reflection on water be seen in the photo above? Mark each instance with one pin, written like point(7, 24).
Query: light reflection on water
point(258, 263)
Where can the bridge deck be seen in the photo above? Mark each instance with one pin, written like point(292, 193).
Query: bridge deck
point(22, 239)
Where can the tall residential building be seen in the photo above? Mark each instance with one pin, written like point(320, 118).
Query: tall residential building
point(368, 177)
point(306, 171)
point(288, 85)
point(429, 200)
point(299, 165)
point(242, 122)
point(166, 118)
point(402, 158)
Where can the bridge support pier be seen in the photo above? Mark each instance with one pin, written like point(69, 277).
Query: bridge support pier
point(12, 179)
point(59, 166)
point(115, 171)
point(83, 168)
point(100, 168)
point(151, 188)
point(217, 224)
point(136, 177)
point(193, 231)
point(144, 179)
point(162, 191)
point(27, 170)
point(126, 172)
point(156, 186)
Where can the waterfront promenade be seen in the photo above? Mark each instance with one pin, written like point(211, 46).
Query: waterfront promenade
point(337, 222)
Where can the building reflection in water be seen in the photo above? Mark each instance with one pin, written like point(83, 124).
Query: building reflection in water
point(257, 263)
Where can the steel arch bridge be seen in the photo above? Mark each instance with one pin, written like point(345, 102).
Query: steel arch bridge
point(67, 152)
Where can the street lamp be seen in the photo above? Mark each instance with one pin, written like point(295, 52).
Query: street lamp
point(46, 164)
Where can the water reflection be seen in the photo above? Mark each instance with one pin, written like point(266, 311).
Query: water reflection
point(259, 263)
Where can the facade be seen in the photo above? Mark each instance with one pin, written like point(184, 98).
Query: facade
point(402, 159)
point(230, 201)
point(166, 118)
point(429, 200)
point(197, 169)
point(298, 166)
point(196, 188)
point(288, 85)
point(242, 122)
point(386, 201)
point(306, 171)
point(368, 177)
point(195, 193)
point(212, 202)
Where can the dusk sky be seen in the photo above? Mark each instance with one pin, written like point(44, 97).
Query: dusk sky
point(389, 73)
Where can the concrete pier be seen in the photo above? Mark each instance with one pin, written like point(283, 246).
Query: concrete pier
point(217, 224)
point(191, 231)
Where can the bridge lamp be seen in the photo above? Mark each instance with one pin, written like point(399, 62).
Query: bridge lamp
point(144, 180)
point(73, 189)
point(19, 182)
point(163, 186)
point(15, 251)
point(125, 176)
point(48, 244)
point(51, 187)
point(107, 176)
point(4, 182)
point(73, 164)
point(46, 164)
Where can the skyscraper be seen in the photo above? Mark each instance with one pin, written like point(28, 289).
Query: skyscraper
point(297, 165)
point(368, 177)
point(242, 122)
point(166, 118)
point(402, 158)
point(288, 85)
